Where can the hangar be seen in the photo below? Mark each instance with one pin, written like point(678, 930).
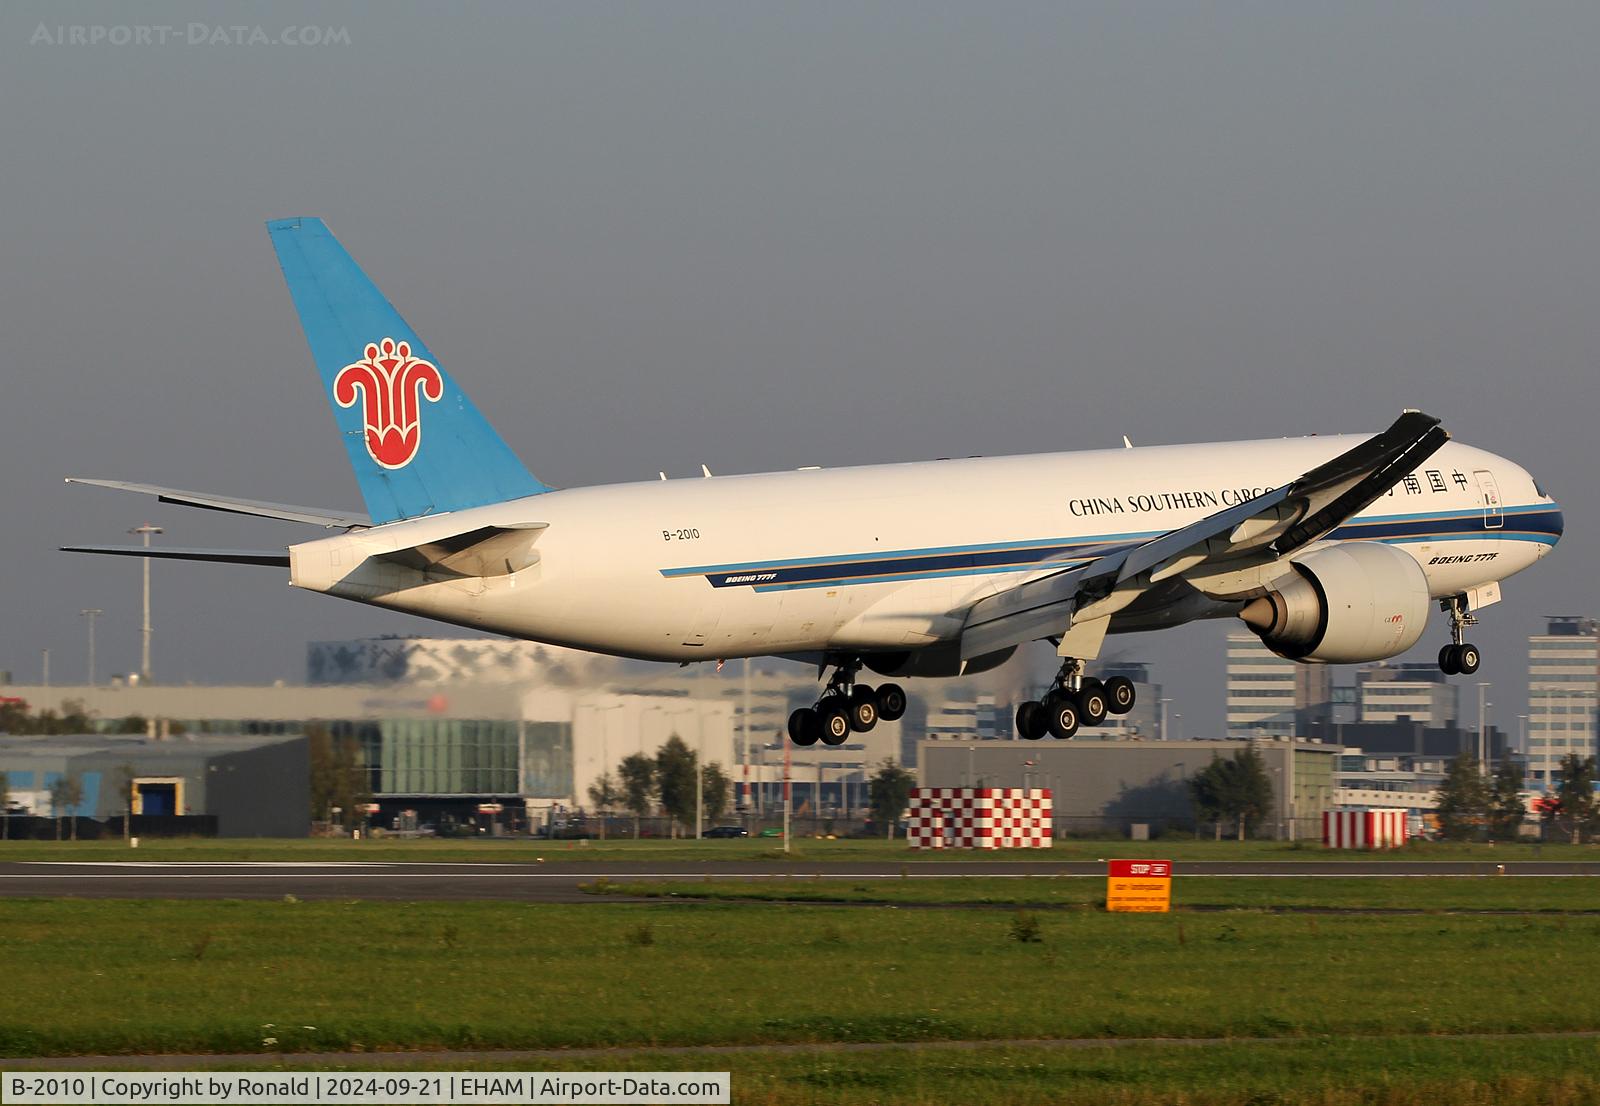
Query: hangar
point(254, 785)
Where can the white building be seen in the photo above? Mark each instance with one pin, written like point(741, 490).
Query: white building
point(1269, 696)
point(1563, 678)
point(1390, 692)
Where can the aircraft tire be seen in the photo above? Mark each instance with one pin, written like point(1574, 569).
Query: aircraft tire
point(1448, 662)
point(1092, 706)
point(1030, 723)
point(1061, 716)
point(1468, 658)
point(835, 719)
point(863, 711)
point(1120, 695)
point(804, 726)
point(891, 702)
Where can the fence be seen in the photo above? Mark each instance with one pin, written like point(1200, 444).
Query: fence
point(32, 827)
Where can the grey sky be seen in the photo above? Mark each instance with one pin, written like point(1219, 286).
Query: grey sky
point(761, 236)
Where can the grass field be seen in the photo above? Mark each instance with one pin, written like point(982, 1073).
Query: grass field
point(1530, 894)
point(803, 849)
point(139, 976)
point(1412, 1071)
point(1323, 1009)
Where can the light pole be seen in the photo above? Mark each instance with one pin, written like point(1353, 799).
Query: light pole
point(91, 613)
point(1164, 703)
point(1522, 737)
point(1483, 740)
point(144, 652)
point(47, 668)
point(605, 771)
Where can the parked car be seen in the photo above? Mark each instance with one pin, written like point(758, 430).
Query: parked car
point(727, 831)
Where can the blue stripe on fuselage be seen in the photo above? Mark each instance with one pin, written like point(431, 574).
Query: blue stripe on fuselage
point(1535, 522)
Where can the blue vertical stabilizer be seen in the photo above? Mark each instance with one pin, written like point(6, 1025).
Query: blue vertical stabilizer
point(418, 445)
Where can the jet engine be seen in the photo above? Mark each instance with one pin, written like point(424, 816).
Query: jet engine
point(1344, 604)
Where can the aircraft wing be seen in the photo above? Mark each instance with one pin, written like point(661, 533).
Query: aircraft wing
point(1225, 555)
point(255, 507)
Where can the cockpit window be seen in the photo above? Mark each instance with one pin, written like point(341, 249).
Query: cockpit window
point(1538, 489)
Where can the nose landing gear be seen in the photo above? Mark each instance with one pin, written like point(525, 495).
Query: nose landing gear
point(846, 707)
point(1459, 658)
point(1074, 700)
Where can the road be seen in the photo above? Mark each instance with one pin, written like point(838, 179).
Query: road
point(562, 882)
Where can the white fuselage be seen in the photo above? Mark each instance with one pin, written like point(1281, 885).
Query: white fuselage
point(889, 557)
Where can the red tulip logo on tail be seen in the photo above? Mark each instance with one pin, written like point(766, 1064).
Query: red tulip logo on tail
point(391, 385)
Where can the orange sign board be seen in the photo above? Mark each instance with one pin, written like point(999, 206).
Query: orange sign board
point(1139, 886)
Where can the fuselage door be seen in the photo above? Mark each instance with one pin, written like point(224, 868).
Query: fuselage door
point(1493, 517)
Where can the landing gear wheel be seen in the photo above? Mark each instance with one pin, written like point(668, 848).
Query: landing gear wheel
point(863, 710)
point(891, 702)
point(1030, 721)
point(1467, 659)
point(1060, 716)
point(1092, 704)
point(1120, 695)
point(835, 717)
point(804, 727)
point(1447, 661)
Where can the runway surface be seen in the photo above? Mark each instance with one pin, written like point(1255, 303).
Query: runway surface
point(562, 883)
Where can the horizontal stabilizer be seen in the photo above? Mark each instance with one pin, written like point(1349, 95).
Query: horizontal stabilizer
point(486, 551)
point(269, 557)
point(254, 507)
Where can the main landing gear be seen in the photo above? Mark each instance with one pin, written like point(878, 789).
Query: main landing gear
point(1074, 700)
point(1459, 658)
point(846, 707)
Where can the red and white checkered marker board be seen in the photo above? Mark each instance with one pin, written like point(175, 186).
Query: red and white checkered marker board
point(980, 818)
point(1363, 829)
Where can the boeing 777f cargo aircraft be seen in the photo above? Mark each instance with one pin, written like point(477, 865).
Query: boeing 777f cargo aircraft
point(1332, 549)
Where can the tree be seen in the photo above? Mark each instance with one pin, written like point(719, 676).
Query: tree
point(1579, 815)
point(1462, 801)
point(14, 717)
point(675, 779)
point(889, 793)
point(638, 774)
point(604, 794)
point(1236, 790)
point(1506, 810)
point(338, 777)
point(124, 776)
point(714, 784)
point(65, 792)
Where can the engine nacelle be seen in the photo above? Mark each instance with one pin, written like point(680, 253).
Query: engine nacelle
point(1346, 604)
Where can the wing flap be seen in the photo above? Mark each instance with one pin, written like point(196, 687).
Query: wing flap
point(254, 507)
